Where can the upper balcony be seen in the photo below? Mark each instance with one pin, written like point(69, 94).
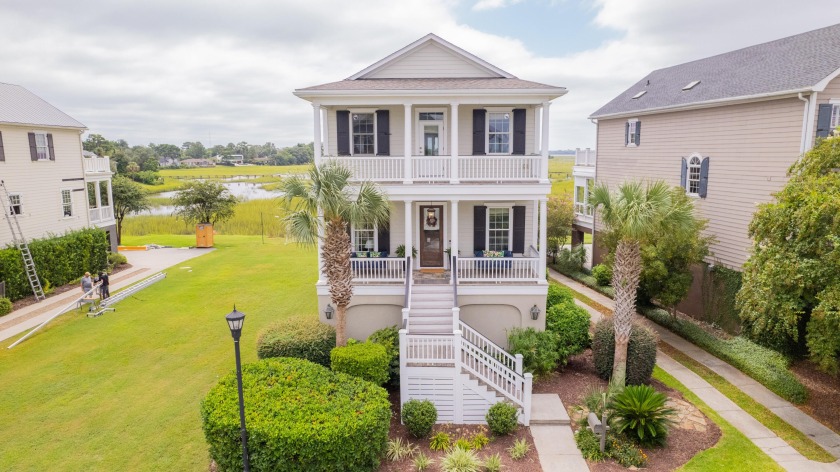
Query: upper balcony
point(97, 165)
point(585, 161)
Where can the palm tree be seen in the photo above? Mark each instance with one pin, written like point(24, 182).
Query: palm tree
point(633, 215)
point(327, 192)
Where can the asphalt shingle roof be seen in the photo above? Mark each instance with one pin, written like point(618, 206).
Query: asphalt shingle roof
point(432, 84)
point(20, 106)
point(788, 64)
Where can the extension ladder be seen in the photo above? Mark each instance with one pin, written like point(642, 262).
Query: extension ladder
point(20, 242)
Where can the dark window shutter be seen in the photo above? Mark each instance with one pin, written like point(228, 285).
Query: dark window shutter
point(342, 132)
point(33, 149)
point(385, 237)
point(704, 177)
point(638, 133)
point(479, 136)
point(383, 133)
point(683, 173)
point(824, 120)
point(50, 144)
point(518, 230)
point(479, 228)
point(519, 132)
point(626, 133)
point(2, 151)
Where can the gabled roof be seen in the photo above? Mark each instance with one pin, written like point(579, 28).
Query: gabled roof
point(802, 63)
point(20, 106)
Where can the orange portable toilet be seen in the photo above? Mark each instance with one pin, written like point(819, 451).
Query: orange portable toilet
point(203, 235)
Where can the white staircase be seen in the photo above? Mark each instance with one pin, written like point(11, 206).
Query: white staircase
point(431, 309)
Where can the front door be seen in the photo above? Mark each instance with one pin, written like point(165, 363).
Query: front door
point(431, 138)
point(431, 236)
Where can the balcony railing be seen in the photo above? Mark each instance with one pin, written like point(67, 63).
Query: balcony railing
point(376, 269)
point(492, 269)
point(583, 209)
point(101, 214)
point(438, 169)
point(586, 157)
point(97, 164)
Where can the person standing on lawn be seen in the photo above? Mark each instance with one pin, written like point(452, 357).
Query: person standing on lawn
point(104, 291)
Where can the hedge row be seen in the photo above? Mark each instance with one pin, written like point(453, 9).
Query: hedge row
point(59, 260)
point(763, 364)
point(300, 337)
point(369, 361)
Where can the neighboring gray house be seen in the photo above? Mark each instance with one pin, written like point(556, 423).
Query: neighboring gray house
point(53, 186)
point(726, 128)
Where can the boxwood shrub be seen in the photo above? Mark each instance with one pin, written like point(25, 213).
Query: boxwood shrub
point(570, 325)
point(300, 417)
point(390, 338)
point(5, 306)
point(301, 337)
point(419, 416)
point(558, 294)
point(501, 418)
point(641, 352)
point(369, 361)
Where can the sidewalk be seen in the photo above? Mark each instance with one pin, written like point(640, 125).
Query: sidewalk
point(144, 264)
point(553, 437)
point(762, 437)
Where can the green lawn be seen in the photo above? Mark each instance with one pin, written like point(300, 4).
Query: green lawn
point(560, 173)
point(121, 392)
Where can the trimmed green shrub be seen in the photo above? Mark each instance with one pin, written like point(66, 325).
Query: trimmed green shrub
point(502, 418)
point(301, 337)
point(59, 260)
point(570, 325)
point(116, 259)
point(558, 294)
point(768, 367)
point(390, 338)
point(641, 352)
point(538, 349)
point(5, 306)
point(367, 361)
point(301, 417)
point(640, 412)
point(602, 274)
point(419, 416)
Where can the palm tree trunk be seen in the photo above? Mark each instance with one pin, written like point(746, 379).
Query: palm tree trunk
point(627, 269)
point(336, 256)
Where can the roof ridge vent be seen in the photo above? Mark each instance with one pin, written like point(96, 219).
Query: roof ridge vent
point(639, 95)
point(691, 85)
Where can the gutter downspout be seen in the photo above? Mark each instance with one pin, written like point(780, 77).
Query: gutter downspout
point(804, 124)
point(808, 122)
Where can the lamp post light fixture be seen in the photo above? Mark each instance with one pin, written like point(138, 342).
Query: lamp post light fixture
point(235, 320)
point(535, 312)
point(329, 311)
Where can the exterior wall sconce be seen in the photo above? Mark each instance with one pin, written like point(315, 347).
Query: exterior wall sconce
point(328, 311)
point(535, 312)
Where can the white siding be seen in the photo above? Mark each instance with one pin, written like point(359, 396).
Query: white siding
point(750, 147)
point(430, 61)
point(465, 128)
point(40, 183)
point(465, 225)
point(396, 124)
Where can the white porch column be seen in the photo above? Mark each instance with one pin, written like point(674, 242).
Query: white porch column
point(453, 232)
point(453, 146)
point(408, 229)
point(544, 144)
point(537, 142)
point(543, 238)
point(325, 129)
point(535, 228)
point(407, 147)
point(316, 115)
point(321, 276)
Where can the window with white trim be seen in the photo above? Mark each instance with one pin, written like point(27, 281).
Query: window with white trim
point(42, 146)
point(693, 181)
point(364, 133)
point(364, 237)
point(835, 116)
point(15, 205)
point(67, 203)
point(498, 132)
point(632, 137)
point(498, 229)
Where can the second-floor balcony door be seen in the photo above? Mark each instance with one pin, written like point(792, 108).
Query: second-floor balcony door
point(431, 236)
point(431, 139)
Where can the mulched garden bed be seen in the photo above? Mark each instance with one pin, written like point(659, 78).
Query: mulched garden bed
point(823, 393)
point(498, 445)
point(579, 377)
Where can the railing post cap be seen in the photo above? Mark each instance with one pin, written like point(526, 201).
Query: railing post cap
point(528, 375)
point(518, 356)
point(403, 331)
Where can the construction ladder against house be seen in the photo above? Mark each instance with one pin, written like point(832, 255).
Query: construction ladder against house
point(20, 242)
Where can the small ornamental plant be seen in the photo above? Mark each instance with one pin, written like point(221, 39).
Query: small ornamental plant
point(419, 416)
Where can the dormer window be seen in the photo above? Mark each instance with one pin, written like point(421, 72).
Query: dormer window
point(632, 132)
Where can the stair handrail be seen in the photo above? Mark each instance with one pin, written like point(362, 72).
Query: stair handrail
point(455, 279)
point(409, 276)
point(511, 385)
point(512, 362)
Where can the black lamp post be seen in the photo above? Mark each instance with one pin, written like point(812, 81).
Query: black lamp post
point(235, 320)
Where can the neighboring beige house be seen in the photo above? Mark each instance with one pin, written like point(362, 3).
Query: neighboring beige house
point(461, 148)
point(52, 187)
point(726, 128)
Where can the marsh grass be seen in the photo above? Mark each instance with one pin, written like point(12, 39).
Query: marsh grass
point(246, 221)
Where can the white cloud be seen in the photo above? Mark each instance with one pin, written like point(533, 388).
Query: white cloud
point(481, 5)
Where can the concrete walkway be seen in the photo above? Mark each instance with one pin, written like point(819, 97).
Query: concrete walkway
point(553, 436)
point(765, 439)
point(144, 264)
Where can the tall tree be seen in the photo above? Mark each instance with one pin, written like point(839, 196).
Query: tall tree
point(195, 150)
point(327, 190)
point(204, 202)
point(633, 215)
point(561, 215)
point(129, 198)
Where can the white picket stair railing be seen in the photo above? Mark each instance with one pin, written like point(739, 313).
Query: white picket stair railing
point(516, 387)
point(478, 340)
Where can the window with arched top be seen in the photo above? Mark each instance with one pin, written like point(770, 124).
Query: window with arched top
point(693, 183)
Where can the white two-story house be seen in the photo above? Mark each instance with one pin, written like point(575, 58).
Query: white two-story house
point(51, 187)
point(461, 148)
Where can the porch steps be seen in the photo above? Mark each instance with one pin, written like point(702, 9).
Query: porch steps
point(431, 309)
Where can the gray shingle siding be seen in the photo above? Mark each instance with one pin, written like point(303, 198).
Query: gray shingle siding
point(789, 64)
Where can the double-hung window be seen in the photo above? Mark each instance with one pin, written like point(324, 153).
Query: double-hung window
point(364, 135)
point(632, 132)
point(66, 203)
point(364, 237)
point(42, 146)
point(835, 116)
point(498, 229)
point(15, 205)
point(693, 181)
point(498, 132)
